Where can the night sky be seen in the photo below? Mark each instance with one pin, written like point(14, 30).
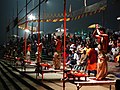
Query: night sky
point(8, 11)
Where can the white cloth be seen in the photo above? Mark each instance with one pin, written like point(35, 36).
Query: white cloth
point(28, 53)
point(76, 57)
point(115, 51)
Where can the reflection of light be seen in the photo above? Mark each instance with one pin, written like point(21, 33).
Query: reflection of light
point(118, 18)
point(31, 17)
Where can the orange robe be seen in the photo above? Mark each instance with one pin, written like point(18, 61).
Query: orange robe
point(92, 61)
point(102, 67)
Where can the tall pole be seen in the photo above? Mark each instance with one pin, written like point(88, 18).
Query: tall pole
point(17, 19)
point(32, 28)
point(64, 44)
point(32, 21)
point(13, 20)
point(43, 15)
point(38, 60)
point(26, 32)
point(25, 42)
point(17, 25)
point(26, 17)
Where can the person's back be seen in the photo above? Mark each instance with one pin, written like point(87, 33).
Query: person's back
point(58, 45)
point(92, 61)
point(92, 54)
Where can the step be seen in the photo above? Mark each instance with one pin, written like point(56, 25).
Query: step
point(16, 83)
point(36, 86)
point(32, 80)
point(5, 84)
point(2, 86)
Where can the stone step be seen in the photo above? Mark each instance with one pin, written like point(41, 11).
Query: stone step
point(19, 77)
point(2, 86)
point(5, 84)
point(15, 82)
point(31, 83)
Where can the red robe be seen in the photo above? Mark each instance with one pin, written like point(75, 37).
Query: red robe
point(103, 39)
point(59, 46)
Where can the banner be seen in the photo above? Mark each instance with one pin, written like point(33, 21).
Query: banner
point(73, 15)
point(91, 8)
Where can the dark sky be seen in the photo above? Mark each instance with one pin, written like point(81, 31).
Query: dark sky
point(8, 10)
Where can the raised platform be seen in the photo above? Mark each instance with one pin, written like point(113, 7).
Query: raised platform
point(91, 82)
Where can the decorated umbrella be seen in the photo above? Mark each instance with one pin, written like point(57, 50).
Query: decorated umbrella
point(92, 26)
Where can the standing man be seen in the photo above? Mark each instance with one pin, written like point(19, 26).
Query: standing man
point(59, 49)
point(102, 38)
point(59, 46)
point(28, 52)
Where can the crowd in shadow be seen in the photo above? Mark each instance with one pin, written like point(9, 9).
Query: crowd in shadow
point(94, 51)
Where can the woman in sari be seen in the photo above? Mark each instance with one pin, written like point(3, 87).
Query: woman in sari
point(102, 67)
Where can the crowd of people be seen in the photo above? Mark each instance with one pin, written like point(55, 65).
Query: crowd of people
point(93, 52)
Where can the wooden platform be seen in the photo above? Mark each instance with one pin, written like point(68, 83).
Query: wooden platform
point(92, 82)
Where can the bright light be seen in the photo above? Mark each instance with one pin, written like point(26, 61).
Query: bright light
point(60, 29)
point(118, 18)
point(46, 1)
point(40, 32)
point(26, 30)
point(31, 17)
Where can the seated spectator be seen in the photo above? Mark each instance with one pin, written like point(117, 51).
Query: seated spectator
point(110, 56)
